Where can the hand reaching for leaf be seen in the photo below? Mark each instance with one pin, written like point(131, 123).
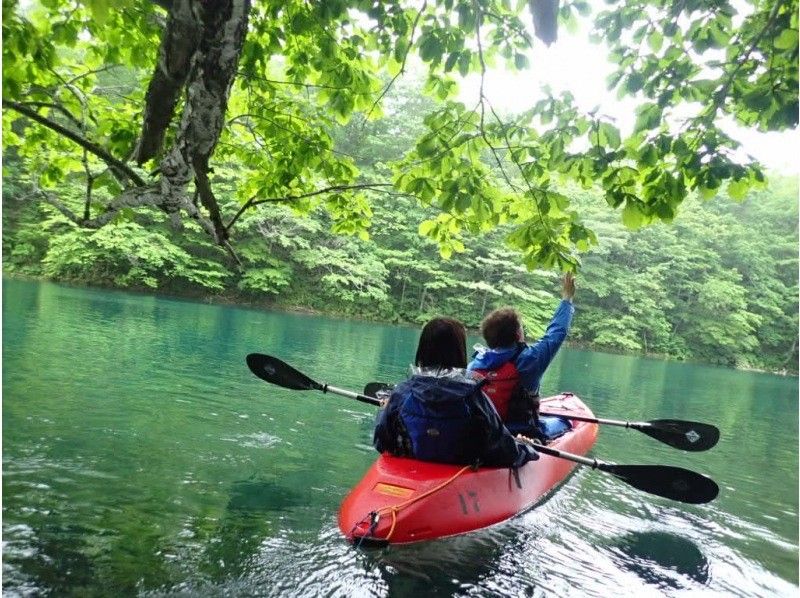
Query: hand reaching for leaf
point(568, 286)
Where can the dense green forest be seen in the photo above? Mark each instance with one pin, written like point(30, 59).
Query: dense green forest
point(717, 285)
point(281, 153)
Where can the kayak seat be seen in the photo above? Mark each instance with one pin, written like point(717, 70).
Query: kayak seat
point(553, 426)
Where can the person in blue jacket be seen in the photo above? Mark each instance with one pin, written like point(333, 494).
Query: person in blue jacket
point(440, 413)
point(513, 369)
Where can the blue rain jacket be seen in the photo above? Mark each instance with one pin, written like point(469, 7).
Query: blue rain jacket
point(447, 419)
point(534, 359)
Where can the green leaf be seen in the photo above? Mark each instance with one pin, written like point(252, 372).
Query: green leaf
point(648, 156)
point(583, 8)
point(737, 190)
point(430, 48)
point(632, 217)
point(787, 40)
point(426, 227)
point(635, 82)
point(648, 116)
point(708, 192)
point(613, 79)
point(99, 10)
point(451, 61)
point(655, 40)
point(609, 135)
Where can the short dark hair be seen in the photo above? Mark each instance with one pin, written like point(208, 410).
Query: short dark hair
point(500, 328)
point(442, 344)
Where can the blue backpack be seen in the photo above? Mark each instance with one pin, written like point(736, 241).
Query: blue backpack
point(439, 420)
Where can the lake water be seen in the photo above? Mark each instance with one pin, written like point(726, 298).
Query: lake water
point(140, 456)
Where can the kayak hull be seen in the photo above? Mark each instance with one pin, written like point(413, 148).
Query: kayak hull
point(401, 500)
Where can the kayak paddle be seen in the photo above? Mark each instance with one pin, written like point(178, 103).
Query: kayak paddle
point(273, 370)
point(675, 483)
point(671, 482)
point(677, 433)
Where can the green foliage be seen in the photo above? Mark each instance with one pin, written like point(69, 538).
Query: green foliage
point(127, 255)
point(719, 285)
point(269, 280)
point(306, 69)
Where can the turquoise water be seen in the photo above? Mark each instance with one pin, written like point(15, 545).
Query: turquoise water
point(140, 456)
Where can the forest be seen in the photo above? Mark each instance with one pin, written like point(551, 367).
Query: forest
point(351, 191)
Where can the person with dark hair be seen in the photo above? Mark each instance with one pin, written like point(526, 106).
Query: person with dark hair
point(441, 414)
point(442, 344)
point(513, 370)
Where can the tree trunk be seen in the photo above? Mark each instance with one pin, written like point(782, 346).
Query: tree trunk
point(214, 67)
point(178, 46)
point(790, 354)
point(200, 53)
point(207, 37)
point(402, 295)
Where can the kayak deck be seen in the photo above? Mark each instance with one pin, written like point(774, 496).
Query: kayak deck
point(401, 500)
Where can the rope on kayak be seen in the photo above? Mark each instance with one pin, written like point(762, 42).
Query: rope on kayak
point(374, 516)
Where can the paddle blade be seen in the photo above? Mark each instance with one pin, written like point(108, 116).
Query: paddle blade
point(273, 370)
point(373, 388)
point(681, 434)
point(670, 482)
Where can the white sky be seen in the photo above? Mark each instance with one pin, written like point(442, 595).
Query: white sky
point(573, 63)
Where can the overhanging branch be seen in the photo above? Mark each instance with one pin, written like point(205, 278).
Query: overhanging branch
point(132, 198)
point(254, 201)
point(95, 149)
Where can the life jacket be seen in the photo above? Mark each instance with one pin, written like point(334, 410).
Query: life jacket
point(517, 406)
point(439, 421)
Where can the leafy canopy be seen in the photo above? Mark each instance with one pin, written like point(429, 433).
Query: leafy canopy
point(84, 90)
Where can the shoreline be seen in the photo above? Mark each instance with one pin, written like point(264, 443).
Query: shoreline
point(235, 300)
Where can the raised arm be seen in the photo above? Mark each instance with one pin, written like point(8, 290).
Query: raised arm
point(534, 360)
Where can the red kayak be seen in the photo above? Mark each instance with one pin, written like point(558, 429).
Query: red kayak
point(402, 500)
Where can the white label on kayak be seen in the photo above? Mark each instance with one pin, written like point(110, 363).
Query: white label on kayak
point(692, 436)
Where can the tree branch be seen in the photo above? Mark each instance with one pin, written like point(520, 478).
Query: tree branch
point(133, 198)
point(206, 194)
point(214, 65)
point(58, 108)
point(403, 64)
point(254, 201)
point(482, 100)
point(102, 69)
point(95, 149)
point(720, 99)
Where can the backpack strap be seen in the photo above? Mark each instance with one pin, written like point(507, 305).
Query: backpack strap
point(514, 471)
point(520, 348)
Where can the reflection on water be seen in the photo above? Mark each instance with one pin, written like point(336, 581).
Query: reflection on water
point(140, 457)
point(446, 567)
point(262, 496)
point(662, 558)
